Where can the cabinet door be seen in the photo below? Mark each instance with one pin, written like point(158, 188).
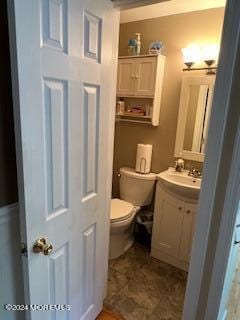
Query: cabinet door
point(126, 77)
point(145, 76)
point(168, 220)
point(187, 232)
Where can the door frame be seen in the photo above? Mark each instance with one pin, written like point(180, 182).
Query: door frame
point(220, 192)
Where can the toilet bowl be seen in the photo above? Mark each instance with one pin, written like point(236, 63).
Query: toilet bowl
point(136, 190)
point(121, 227)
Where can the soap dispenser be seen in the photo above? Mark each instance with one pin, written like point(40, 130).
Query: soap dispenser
point(179, 164)
point(138, 45)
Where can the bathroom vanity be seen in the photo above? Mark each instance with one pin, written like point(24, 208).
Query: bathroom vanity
point(174, 217)
point(177, 193)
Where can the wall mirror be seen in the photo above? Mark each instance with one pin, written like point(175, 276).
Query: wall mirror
point(193, 116)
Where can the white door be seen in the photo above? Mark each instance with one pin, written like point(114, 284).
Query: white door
point(126, 77)
point(63, 101)
point(145, 76)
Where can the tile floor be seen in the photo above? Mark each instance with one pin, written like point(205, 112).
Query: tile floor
point(141, 287)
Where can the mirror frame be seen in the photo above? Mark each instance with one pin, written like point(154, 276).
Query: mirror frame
point(187, 81)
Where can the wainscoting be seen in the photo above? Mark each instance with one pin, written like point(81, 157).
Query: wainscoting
point(11, 283)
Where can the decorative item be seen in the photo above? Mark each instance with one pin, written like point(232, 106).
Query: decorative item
point(156, 47)
point(132, 45)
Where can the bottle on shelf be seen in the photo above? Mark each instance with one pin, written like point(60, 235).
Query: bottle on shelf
point(138, 43)
point(120, 106)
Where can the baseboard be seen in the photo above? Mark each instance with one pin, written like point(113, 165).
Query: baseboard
point(158, 254)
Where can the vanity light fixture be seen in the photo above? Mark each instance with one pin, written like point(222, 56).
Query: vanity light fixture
point(191, 55)
point(210, 56)
point(207, 53)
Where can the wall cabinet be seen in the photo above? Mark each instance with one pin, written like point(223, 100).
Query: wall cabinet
point(137, 76)
point(141, 77)
point(173, 229)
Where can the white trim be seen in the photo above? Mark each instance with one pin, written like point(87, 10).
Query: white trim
point(129, 4)
point(182, 115)
point(199, 121)
point(111, 121)
point(8, 212)
point(226, 229)
point(213, 195)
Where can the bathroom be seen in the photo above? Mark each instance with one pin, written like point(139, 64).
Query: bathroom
point(145, 281)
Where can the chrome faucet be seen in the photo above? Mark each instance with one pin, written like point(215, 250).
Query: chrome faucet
point(195, 173)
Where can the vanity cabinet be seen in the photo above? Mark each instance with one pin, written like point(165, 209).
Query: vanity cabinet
point(173, 229)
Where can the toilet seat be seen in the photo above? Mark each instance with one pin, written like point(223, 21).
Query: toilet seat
point(121, 210)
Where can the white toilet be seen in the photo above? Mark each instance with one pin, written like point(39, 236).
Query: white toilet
point(136, 190)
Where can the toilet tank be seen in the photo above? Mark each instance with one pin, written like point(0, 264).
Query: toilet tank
point(136, 188)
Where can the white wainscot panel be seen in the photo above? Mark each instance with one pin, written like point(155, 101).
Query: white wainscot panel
point(54, 24)
point(90, 139)
point(11, 278)
point(92, 36)
point(56, 143)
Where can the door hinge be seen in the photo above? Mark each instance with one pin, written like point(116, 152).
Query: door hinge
point(24, 249)
point(237, 234)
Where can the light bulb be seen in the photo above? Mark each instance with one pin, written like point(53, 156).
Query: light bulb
point(210, 52)
point(191, 55)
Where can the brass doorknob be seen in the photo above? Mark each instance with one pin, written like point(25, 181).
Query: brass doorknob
point(41, 246)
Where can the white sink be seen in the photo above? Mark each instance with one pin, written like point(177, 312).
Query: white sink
point(180, 183)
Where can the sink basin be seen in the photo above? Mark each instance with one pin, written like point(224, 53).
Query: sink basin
point(180, 183)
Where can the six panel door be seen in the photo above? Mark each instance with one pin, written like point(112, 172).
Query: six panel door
point(66, 54)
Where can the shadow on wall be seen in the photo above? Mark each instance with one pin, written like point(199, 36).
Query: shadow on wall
point(8, 172)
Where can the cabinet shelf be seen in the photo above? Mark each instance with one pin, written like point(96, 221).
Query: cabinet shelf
point(133, 118)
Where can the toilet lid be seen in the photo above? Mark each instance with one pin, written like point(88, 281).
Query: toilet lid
point(120, 209)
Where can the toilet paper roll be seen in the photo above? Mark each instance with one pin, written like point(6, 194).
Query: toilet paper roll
point(144, 158)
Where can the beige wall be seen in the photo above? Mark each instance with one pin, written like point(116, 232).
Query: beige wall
point(176, 32)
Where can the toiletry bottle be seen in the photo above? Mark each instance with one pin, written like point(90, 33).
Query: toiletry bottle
point(132, 45)
point(138, 45)
point(179, 164)
point(148, 111)
point(120, 106)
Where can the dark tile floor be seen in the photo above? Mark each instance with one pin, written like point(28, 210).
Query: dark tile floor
point(141, 287)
